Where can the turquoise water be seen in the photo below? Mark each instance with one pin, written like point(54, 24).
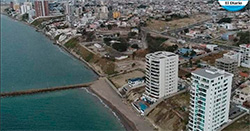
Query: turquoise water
point(29, 60)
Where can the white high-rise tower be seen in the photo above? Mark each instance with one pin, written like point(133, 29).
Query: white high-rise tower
point(161, 74)
point(210, 99)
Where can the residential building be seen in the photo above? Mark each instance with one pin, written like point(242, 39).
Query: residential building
point(41, 8)
point(161, 74)
point(135, 81)
point(233, 55)
point(227, 64)
point(16, 7)
point(11, 5)
point(26, 7)
point(245, 55)
point(242, 94)
point(210, 99)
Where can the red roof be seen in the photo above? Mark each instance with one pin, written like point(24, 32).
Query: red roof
point(244, 74)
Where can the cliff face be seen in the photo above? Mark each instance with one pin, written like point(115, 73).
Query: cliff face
point(101, 65)
point(171, 114)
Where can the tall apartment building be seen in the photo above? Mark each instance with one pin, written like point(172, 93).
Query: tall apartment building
point(11, 5)
point(41, 8)
point(245, 55)
point(26, 7)
point(161, 74)
point(210, 99)
point(227, 64)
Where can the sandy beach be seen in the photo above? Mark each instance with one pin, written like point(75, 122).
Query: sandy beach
point(129, 117)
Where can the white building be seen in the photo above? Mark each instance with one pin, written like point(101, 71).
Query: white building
point(242, 94)
point(210, 99)
point(135, 82)
point(234, 56)
point(26, 7)
point(161, 74)
point(245, 55)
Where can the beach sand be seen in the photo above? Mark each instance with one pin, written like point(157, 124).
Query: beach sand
point(129, 117)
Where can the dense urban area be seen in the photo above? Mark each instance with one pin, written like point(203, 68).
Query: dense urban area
point(177, 64)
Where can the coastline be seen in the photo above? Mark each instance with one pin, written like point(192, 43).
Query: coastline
point(125, 112)
point(58, 45)
point(128, 125)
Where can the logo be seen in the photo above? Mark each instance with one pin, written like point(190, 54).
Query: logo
point(233, 5)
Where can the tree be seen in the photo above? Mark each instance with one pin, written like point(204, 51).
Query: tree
point(186, 54)
point(25, 16)
point(244, 37)
point(193, 53)
point(107, 41)
point(121, 47)
point(131, 34)
point(155, 43)
point(198, 62)
point(133, 65)
point(225, 20)
point(109, 27)
point(135, 46)
point(133, 55)
point(186, 30)
point(190, 62)
point(90, 36)
point(102, 25)
point(172, 48)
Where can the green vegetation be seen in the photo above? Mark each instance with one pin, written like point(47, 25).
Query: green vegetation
point(225, 20)
point(155, 43)
point(108, 67)
point(107, 41)
point(135, 46)
point(121, 47)
point(243, 124)
point(244, 37)
point(131, 34)
point(89, 57)
point(25, 17)
point(39, 21)
point(110, 27)
point(90, 36)
point(57, 37)
point(172, 48)
point(71, 43)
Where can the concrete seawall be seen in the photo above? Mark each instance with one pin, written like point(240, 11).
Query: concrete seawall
point(36, 91)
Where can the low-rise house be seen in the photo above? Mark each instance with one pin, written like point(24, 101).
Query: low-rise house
point(242, 94)
point(233, 55)
point(226, 64)
point(228, 36)
point(245, 55)
point(135, 81)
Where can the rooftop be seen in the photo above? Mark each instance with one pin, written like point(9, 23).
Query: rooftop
point(211, 73)
point(160, 55)
point(226, 60)
point(246, 89)
point(245, 45)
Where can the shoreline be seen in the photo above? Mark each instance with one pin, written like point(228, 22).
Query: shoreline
point(128, 125)
point(58, 45)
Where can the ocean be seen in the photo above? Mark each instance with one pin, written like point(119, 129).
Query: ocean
point(29, 60)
